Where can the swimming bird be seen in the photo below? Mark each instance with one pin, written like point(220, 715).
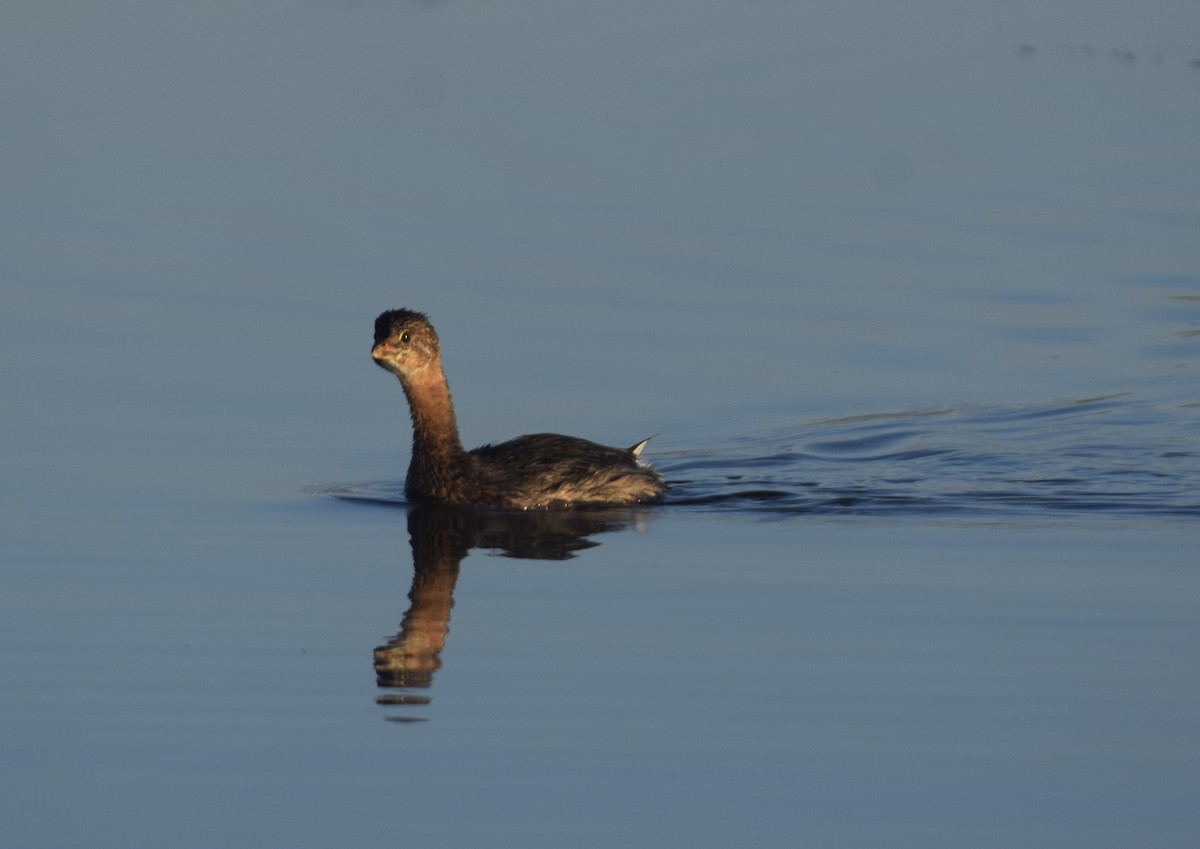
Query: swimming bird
point(537, 471)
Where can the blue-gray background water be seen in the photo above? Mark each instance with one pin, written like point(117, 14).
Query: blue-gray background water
point(909, 293)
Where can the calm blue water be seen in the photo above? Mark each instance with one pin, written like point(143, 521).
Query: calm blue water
point(910, 296)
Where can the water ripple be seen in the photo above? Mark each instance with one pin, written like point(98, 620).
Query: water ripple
point(1081, 457)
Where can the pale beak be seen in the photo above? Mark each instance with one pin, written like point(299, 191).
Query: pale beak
point(383, 351)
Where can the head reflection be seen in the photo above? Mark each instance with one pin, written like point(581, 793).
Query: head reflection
point(440, 538)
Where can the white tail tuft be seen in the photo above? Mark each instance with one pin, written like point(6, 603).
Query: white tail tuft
point(636, 450)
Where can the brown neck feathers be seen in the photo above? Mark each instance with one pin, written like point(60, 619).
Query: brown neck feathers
point(436, 444)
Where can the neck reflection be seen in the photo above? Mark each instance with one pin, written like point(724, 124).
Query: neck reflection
point(440, 538)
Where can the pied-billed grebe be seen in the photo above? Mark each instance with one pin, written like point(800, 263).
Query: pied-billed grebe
point(542, 470)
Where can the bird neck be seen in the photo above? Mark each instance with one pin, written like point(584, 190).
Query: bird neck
point(435, 430)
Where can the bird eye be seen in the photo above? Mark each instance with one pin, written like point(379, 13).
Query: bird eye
point(405, 336)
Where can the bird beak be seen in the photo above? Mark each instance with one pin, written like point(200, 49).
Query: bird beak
point(383, 351)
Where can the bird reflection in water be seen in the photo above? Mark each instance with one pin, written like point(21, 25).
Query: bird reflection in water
point(441, 537)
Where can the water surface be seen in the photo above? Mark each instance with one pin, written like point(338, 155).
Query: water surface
point(910, 296)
